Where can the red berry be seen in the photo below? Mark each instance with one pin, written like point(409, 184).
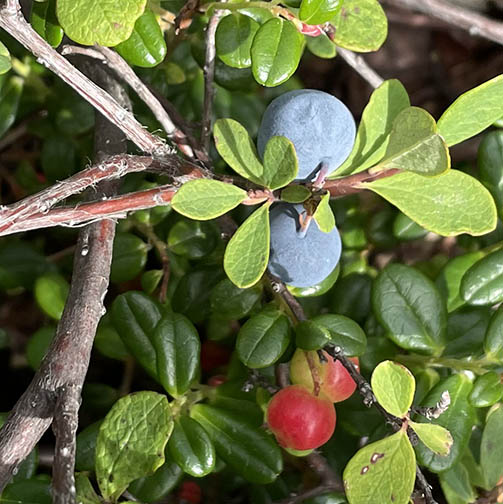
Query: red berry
point(189, 492)
point(328, 380)
point(217, 380)
point(299, 420)
point(213, 355)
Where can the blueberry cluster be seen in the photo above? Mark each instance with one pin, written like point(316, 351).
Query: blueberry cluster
point(322, 130)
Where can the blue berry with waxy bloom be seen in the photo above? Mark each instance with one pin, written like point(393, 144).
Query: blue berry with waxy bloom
point(319, 125)
point(301, 257)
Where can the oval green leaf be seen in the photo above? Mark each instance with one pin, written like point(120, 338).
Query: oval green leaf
point(231, 302)
point(323, 214)
point(207, 199)
point(276, 52)
point(280, 163)
point(491, 446)
point(51, 291)
point(409, 307)
point(234, 38)
point(191, 447)
point(177, 346)
point(394, 387)
point(104, 22)
point(311, 336)
point(129, 257)
point(435, 437)
point(493, 342)
point(137, 447)
point(487, 390)
point(450, 204)
point(146, 46)
point(318, 11)
point(247, 450)
point(344, 332)
point(44, 21)
point(489, 162)
point(263, 338)
point(5, 60)
point(383, 471)
point(247, 252)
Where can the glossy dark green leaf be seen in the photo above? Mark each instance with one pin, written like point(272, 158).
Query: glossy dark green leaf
point(38, 344)
point(155, 487)
point(449, 279)
point(234, 38)
point(249, 451)
point(58, 158)
point(311, 336)
point(85, 491)
point(344, 332)
point(456, 485)
point(129, 257)
point(44, 21)
point(231, 302)
point(493, 343)
point(135, 317)
point(318, 11)
point(191, 447)
point(263, 338)
point(86, 447)
point(136, 449)
point(32, 491)
point(482, 284)
point(276, 52)
point(425, 381)
point(10, 95)
point(409, 307)
point(491, 447)
point(466, 328)
point(108, 342)
point(317, 289)
point(458, 420)
point(98, 397)
point(489, 162)
point(146, 46)
point(51, 291)
point(404, 228)
point(487, 390)
point(150, 280)
point(352, 296)
point(193, 239)
point(321, 46)
point(177, 346)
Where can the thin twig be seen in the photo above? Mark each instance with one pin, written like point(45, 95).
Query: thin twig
point(360, 65)
point(209, 76)
point(474, 23)
point(13, 22)
point(354, 183)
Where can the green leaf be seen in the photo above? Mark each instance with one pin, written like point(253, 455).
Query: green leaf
point(237, 149)
point(409, 307)
point(146, 46)
point(295, 194)
point(317, 289)
point(231, 302)
point(86, 447)
point(234, 37)
point(493, 343)
point(458, 420)
point(394, 386)
point(435, 437)
point(456, 485)
point(383, 471)
point(191, 447)
point(44, 21)
point(247, 450)
point(51, 291)
point(404, 228)
point(321, 46)
point(414, 145)
point(491, 446)
point(344, 332)
point(280, 163)
point(85, 491)
point(31, 491)
point(109, 343)
point(157, 486)
point(263, 338)
point(482, 284)
point(5, 61)
point(276, 52)
point(129, 257)
point(177, 346)
point(318, 11)
point(104, 22)
point(247, 252)
point(204, 199)
point(449, 279)
point(58, 157)
point(311, 336)
point(450, 204)
point(372, 138)
point(131, 441)
point(193, 239)
point(489, 162)
point(9, 101)
point(135, 317)
point(487, 390)
point(472, 112)
point(360, 25)
point(323, 214)
point(38, 344)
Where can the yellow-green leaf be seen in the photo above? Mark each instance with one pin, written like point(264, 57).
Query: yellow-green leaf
point(449, 204)
point(437, 438)
point(247, 253)
point(280, 163)
point(323, 214)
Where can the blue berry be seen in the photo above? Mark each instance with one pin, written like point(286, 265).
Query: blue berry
point(300, 258)
point(319, 125)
